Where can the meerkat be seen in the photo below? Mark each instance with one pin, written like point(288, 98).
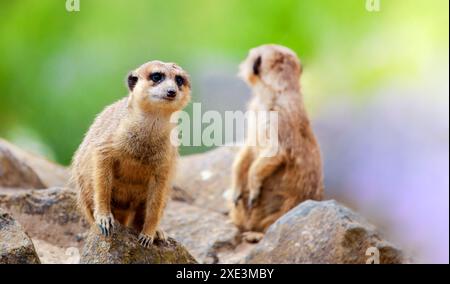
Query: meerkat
point(124, 166)
point(264, 187)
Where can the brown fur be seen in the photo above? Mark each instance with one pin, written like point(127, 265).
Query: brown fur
point(125, 164)
point(265, 188)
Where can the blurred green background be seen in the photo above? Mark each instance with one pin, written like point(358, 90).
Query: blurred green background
point(59, 69)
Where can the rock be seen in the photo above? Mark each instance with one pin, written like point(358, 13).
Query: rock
point(322, 232)
point(237, 254)
point(15, 245)
point(50, 214)
point(178, 194)
point(206, 177)
point(206, 234)
point(15, 173)
point(49, 173)
point(51, 254)
point(123, 248)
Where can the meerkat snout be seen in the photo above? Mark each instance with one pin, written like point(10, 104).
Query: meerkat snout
point(171, 93)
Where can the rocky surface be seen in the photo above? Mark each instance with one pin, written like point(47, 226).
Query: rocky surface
point(14, 173)
point(206, 177)
point(15, 245)
point(48, 214)
point(206, 234)
point(51, 218)
point(31, 172)
point(196, 219)
point(123, 248)
point(49, 253)
point(322, 232)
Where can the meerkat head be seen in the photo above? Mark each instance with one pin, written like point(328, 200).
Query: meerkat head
point(271, 66)
point(159, 85)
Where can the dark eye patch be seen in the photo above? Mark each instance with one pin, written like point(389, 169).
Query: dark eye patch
point(257, 66)
point(179, 80)
point(157, 77)
point(131, 81)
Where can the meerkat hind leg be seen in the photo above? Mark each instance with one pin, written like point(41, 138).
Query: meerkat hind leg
point(124, 217)
point(129, 218)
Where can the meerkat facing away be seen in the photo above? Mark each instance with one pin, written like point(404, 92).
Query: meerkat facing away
point(264, 187)
point(123, 168)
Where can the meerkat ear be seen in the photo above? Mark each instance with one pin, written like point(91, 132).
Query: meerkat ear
point(257, 65)
point(131, 81)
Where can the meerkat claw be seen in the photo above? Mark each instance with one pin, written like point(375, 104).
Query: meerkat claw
point(145, 240)
point(102, 230)
point(105, 224)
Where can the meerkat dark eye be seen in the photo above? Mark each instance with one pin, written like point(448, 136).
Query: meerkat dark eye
point(156, 77)
point(179, 80)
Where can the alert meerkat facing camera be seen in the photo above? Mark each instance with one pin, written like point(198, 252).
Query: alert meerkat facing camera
point(124, 167)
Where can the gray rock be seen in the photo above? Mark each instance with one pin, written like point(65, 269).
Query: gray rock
point(52, 254)
point(15, 245)
point(205, 177)
point(123, 248)
point(178, 194)
point(51, 215)
point(36, 172)
point(206, 234)
point(16, 174)
point(48, 214)
point(323, 232)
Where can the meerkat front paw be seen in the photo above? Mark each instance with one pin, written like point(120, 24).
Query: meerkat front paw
point(145, 240)
point(105, 223)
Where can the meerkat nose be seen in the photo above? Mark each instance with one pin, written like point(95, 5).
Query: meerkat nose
point(171, 93)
